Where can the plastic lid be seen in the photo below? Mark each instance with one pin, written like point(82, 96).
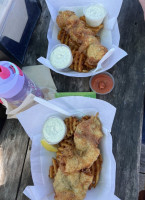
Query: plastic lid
point(61, 57)
point(4, 72)
point(54, 130)
point(11, 82)
point(102, 83)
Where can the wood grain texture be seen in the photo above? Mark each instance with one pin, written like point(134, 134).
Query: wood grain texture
point(20, 176)
point(142, 159)
point(128, 97)
point(141, 182)
point(38, 43)
point(37, 47)
point(13, 142)
point(26, 178)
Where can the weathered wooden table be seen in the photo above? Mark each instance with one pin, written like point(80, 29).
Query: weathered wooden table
point(127, 96)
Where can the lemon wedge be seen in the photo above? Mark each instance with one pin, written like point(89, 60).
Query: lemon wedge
point(48, 147)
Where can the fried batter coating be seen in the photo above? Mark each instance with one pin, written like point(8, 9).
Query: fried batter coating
point(82, 35)
point(71, 187)
point(63, 16)
point(85, 153)
point(95, 52)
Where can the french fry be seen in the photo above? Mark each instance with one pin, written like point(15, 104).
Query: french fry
point(79, 63)
point(94, 29)
point(66, 148)
point(53, 168)
point(71, 125)
point(96, 170)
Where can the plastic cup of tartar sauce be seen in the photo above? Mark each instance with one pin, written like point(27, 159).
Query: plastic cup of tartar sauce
point(54, 130)
point(94, 14)
point(61, 57)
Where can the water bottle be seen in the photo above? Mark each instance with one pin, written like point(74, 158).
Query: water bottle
point(14, 84)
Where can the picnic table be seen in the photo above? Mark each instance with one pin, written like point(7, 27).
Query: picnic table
point(127, 97)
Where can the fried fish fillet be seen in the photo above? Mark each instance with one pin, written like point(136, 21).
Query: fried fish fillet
point(82, 35)
point(86, 152)
point(90, 129)
point(71, 187)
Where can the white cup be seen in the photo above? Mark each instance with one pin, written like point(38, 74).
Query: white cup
point(68, 58)
point(94, 14)
point(47, 128)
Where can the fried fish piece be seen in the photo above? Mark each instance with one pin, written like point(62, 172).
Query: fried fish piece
point(65, 149)
point(71, 187)
point(86, 152)
point(79, 159)
point(79, 63)
point(94, 29)
point(90, 129)
point(95, 53)
point(82, 35)
point(62, 18)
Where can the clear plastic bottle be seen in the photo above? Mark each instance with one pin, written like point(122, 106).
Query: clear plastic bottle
point(14, 84)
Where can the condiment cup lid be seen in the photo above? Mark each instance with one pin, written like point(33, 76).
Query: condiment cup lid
point(107, 73)
point(43, 137)
point(61, 45)
point(97, 4)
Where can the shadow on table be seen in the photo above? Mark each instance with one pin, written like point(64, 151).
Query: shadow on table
point(141, 195)
point(143, 132)
point(2, 116)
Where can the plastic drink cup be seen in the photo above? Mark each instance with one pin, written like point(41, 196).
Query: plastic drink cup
point(14, 84)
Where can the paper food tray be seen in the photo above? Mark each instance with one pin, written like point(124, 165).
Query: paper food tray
point(110, 35)
point(41, 159)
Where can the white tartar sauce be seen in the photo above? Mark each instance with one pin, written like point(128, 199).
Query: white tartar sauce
point(61, 57)
point(54, 130)
point(95, 14)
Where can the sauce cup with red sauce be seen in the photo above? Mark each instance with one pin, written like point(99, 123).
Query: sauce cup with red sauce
point(102, 83)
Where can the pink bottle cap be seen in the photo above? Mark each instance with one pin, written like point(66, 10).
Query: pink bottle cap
point(4, 72)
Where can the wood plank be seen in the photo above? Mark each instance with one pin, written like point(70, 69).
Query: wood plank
point(128, 97)
point(13, 186)
point(2, 116)
point(37, 47)
point(142, 159)
point(26, 178)
point(38, 43)
point(141, 182)
point(13, 142)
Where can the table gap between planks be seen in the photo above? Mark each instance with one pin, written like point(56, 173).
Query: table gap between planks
point(127, 97)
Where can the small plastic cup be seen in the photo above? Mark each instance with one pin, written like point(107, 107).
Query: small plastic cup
point(45, 132)
point(61, 57)
point(104, 83)
point(95, 14)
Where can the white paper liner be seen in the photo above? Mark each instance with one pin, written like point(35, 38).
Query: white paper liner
point(110, 24)
point(41, 159)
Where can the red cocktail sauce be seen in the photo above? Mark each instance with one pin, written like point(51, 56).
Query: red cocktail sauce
point(102, 83)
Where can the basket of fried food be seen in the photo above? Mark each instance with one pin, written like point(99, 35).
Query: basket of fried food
point(78, 161)
point(82, 39)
